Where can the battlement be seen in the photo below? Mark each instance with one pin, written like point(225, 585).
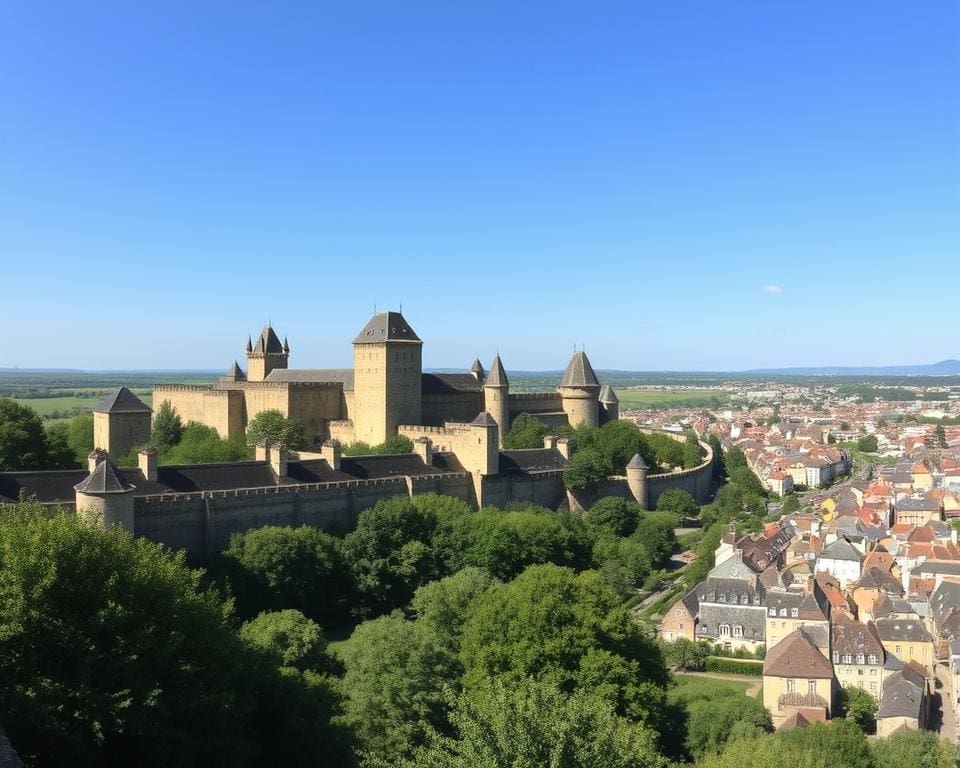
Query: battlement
point(187, 388)
point(418, 430)
point(533, 396)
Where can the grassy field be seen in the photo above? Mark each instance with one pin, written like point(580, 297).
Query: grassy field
point(689, 688)
point(669, 398)
point(69, 406)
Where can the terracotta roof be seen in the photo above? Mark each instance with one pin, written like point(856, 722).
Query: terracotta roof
point(797, 656)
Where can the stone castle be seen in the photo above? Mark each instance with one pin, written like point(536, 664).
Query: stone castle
point(386, 393)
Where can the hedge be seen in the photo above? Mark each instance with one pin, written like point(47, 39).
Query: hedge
point(734, 666)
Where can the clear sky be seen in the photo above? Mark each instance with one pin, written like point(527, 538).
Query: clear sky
point(675, 185)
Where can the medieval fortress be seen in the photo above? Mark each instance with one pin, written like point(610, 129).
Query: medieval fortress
point(455, 421)
point(385, 393)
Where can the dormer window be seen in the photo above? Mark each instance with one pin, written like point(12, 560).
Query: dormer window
point(860, 658)
point(872, 658)
point(847, 658)
point(756, 600)
point(721, 598)
point(743, 600)
point(794, 613)
point(783, 611)
point(773, 611)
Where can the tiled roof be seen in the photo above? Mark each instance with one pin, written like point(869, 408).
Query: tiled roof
point(313, 375)
point(386, 326)
point(121, 401)
point(523, 461)
point(797, 656)
point(579, 372)
point(104, 479)
point(448, 383)
point(497, 376)
point(268, 343)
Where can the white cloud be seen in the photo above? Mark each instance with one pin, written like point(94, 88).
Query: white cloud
point(772, 289)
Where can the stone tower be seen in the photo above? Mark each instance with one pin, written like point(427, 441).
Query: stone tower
point(105, 498)
point(266, 355)
point(579, 392)
point(609, 404)
point(637, 479)
point(387, 375)
point(476, 370)
point(121, 422)
point(496, 397)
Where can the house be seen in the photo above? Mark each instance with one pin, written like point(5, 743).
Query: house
point(904, 701)
point(841, 560)
point(858, 655)
point(917, 510)
point(945, 616)
point(907, 639)
point(797, 679)
point(680, 621)
point(791, 609)
point(730, 605)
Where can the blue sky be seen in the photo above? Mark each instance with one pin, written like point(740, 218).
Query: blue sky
point(522, 176)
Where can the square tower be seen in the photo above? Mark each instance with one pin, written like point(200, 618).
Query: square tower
point(266, 355)
point(121, 422)
point(387, 374)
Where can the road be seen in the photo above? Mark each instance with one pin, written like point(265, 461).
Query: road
point(943, 717)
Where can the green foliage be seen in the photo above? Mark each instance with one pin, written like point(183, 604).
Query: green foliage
point(940, 436)
point(619, 441)
point(445, 604)
point(396, 671)
point(841, 744)
point(697, 570)
point(569, 630)
point(668, 452)
point(732, 667)
point(586, 468)
point(534, 724)
point(167, 428)
point(691, 451)
point(273, 568)
point(714, 714)
point(112, 653)
point(395, 444)
point(867, 444)
point(59, 453)
point(686, 655)
point(289, 637)
point(273, 427)
point(614, 515)
point(915, 749)
point(655, 532)
point(504, 543)
point(859, 706)
point(624, 563)
point(791, 503)
point(391, 552)
point(525, 431)
point(80, 437)
point(719, 458)
point(23, 443)
point(678, 502)
point(201, 444)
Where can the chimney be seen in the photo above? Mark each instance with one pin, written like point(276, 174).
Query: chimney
point(95, 457)
point(549, 441)
point(262, 451)
point(563, 445)
point(330, 452)
point(279, 456)
point(147, 461)
point(423, 447)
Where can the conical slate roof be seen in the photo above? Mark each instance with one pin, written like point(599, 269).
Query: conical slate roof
point(477, 368)
point(484, 420)
point(268, 343)
point(607, 395)
point(579, 372)
point(498, 376)
point(637, 462)
point(121, 401)
point(104, 479)
point(386, 326)
point(235, 370)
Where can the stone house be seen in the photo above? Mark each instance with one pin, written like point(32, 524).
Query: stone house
point(797, 679)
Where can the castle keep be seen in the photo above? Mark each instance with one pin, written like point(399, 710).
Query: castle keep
point(385, 393)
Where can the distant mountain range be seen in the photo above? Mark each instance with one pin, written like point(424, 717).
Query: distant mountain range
point(943, 368)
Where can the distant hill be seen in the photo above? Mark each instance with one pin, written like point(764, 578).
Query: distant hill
point(943, 368)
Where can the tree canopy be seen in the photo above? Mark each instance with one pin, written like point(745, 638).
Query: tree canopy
point(273, 427)
point(23, 442)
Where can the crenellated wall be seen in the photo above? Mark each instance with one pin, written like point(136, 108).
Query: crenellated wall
point(222, 409)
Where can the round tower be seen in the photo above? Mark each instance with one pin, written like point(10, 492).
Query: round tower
point(476, 370)
point(496, 398)
point(105, 498)
point(637, 479)
point(579, 392)
point(609, 404)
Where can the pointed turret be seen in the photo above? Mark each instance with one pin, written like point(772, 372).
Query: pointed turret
point(105, 498)
point(249, 344)
point(286, 346)
point(609, 404)
point(496, 397)
point(233, 374)
point(476, 370)
point(266, 355)
point(579, 391)
point(637, 479)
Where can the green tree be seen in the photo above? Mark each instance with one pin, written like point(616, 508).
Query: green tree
point(791, 503)
point(669, 452)
point(655, 532)
point(391, 552)
point(525, 432)
point(201, 444)
point(80, 437)
point(691, 451)
point(712, 720)
point(678, 502)
point(686, 655)
point(586, 468)
point(272, 568)
point(534, 724)
point(867, 444)
point(112, 652)
point(23, 443)
point(614, 515)
point(396, 672)
point(272, 426)
point(444, 604)
point(624, 563)
point(167, 429)
point(59, 453)
point(395, 444)
point(940, 436)
point(619, 441)
point(858, 705)
point(289, 637)
point(915, 749)
point(841, 744)
point(572, 631)
point(719, 462)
